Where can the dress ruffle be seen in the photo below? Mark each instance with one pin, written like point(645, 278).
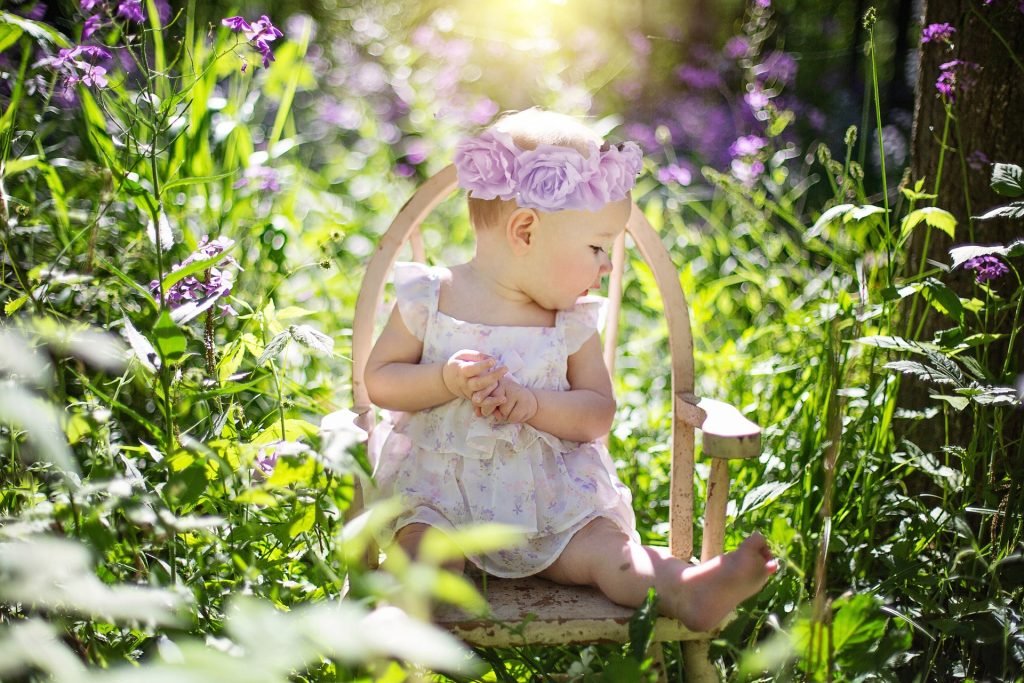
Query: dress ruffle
point(416, 289)
point(451, 468)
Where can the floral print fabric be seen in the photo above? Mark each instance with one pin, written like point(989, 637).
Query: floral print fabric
point(451, 468)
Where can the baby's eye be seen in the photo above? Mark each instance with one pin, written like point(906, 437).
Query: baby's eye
point(597, 249)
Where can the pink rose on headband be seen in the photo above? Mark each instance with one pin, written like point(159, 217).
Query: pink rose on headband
point(619, 168)
point(549, 178)
point(486, 165)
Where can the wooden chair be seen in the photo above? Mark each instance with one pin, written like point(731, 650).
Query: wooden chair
point(555, 614)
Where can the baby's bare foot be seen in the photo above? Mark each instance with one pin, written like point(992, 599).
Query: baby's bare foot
point(712, 589)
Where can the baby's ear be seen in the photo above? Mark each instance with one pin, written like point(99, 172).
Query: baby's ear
point(519, 229)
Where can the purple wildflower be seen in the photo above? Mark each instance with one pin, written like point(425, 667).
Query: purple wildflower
point(268, 179)
point(955, 76)
point(757, 99)
point(986, 267)
point(216, 281)
point(266, 462)
point(236, 24)
point(131, 10)
point(746, 146)
point(777, 66)
point(94, 51)
point(90, 5)
point(259, 33)
point(737, 47)
point(35, 12)
point(77, 71)
point(91, 25)
point(264, 50)
point(94, 75)
point(263, 29)
point(674, 173)
point(763, 4)
point(937, 33)
point(978, 160)
point(747, 171)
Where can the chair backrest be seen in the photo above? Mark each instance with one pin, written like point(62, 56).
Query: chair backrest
point(405, 227)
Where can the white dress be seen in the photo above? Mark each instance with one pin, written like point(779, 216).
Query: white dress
point(451, 468)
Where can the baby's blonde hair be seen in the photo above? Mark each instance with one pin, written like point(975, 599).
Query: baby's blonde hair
point(529, 129)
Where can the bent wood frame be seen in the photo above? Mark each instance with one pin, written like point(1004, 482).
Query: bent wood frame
point(438, 188)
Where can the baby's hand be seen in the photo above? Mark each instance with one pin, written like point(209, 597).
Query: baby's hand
point(510, 402)
point(469, 372)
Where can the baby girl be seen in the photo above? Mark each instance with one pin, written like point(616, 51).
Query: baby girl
point(493, 369)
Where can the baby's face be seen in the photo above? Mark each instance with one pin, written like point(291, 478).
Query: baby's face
point(574, 252)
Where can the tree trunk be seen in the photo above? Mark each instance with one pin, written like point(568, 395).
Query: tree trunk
point(987, 118)
point(986, 121)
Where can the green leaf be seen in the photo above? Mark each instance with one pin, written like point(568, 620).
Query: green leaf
point(899, 343)
point(40, 31)
point(275, 347)
point(141, 347)
point(1006, 180)
point(829, 216)
point(986, 396)
point(40, 419)
point(459, 591)
point(14, 304)
point(303, 521)
point(780, 122)
point(932, 216)
point(199, 180)
point(958, 402)
point(260, 497)
point(9, 35)
point(926, 372)
point(762, 495)
point(292, 470)
point(173, 278)
point(965, 253)
point(917, 194)
point(439, 547)
point(641, 626)
point(312, 338)
point(123, 277)
point(1011, 210)
point(943, 299)
point(861, 212)
point(170, 342)
point(294, 430)
point(857, 624)
point(185, 487)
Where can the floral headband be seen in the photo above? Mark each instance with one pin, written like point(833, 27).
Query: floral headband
point(548, 178)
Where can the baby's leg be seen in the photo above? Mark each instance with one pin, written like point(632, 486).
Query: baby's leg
point(700, 596)
point(409, 538)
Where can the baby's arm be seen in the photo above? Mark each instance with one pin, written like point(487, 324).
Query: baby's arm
point(583, 413)
point(396, 380)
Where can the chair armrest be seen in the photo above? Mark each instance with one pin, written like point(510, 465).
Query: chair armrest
point(727, 434)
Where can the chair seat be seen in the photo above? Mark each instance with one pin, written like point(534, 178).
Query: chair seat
point(536, 611)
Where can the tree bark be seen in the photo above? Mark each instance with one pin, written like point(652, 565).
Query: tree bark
point(985, 128)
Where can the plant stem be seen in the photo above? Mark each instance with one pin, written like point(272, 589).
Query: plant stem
point(881, 156)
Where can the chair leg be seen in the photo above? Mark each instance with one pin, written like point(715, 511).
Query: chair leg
point(697, 662)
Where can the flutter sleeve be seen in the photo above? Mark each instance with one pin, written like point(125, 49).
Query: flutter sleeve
point(416, 289)
point(580, 322)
